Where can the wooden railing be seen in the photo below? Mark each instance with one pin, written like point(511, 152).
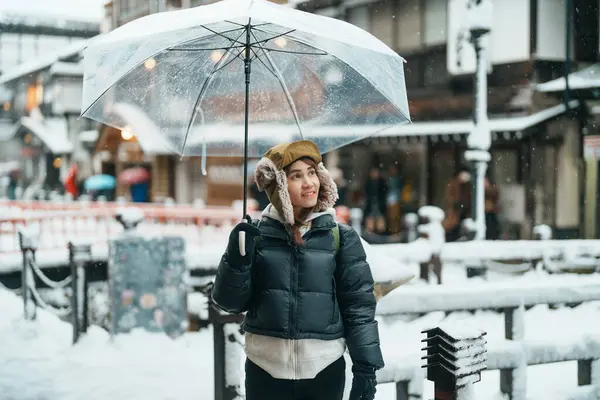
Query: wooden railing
point(513, 355)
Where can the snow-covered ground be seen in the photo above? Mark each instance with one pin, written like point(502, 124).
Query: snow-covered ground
point(39, 362)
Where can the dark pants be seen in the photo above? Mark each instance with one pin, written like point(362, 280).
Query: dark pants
point(327, 385)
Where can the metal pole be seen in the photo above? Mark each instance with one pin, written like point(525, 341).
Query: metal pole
point(75, 293)
point(568, 38)
point(479, 140)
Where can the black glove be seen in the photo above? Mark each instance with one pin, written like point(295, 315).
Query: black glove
point(364, 383)
point(233, 247)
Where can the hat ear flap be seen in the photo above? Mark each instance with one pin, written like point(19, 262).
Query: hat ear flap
point(265, 173)
point(328, 192)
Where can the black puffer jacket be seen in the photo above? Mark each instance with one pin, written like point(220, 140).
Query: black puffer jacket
point(301, 292)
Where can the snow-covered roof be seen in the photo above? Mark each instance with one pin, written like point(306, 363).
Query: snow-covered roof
point(507, 124)
point(66, 69)
point(152, 141)
point(43, 62)
point(586, 78)
point(52, 131)
point(46, 20)
point(89, 136)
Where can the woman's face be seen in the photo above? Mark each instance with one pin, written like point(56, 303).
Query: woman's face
point(303, 184)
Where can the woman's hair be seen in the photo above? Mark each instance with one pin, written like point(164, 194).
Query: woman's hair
point(296, 234)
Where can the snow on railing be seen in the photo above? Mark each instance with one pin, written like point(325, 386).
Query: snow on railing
point(58, 223)
point(513, 355)
point(509, 355)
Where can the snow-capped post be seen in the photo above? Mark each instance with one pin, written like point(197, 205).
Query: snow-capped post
point(130, 218)
point(28, 242)
point(227, 368)
point(431, 229)
point(480, 138)
point(455, 356)
point(80, 255)
point(411, 220)
point(542, 232)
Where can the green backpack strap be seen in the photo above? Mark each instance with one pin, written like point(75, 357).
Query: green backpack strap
point(336, 238)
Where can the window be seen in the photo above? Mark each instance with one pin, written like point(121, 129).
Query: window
point(382, 22)
point(408, 20)
point(133, 8)
point(435, 18)
point(360, 17)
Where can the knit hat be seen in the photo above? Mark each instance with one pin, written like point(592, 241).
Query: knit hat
point(271, 178)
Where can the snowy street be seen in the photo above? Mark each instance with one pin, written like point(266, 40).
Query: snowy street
point(39, 362)
point(413, 185)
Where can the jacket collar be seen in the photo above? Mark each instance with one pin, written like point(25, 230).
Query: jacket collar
point(272, 221)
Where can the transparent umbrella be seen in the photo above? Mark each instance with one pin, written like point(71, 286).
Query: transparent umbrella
point(238, 76)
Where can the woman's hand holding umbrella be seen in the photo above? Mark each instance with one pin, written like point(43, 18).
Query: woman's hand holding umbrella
point(240, 252)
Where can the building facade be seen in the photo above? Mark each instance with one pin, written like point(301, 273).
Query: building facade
point(41, 110)
point(537, 138)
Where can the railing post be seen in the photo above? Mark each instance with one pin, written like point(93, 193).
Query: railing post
point(513, 381)
point(402, 390)
point(29, 245)
point(79, 256)
point(455, 360)
point(223, 391)
point(584, 372)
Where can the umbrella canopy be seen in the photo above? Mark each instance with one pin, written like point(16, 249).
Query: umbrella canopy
point(100, 182)
point(197, 73)
point(132, 176)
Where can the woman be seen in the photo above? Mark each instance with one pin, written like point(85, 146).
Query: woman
point(305, 300)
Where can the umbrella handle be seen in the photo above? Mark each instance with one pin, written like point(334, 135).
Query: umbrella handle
point(242, 243)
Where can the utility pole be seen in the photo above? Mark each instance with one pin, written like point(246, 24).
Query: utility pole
point(479, 139)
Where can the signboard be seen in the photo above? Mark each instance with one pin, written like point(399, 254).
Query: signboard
point(146, 285)
point(591, 147)
point(460, 55)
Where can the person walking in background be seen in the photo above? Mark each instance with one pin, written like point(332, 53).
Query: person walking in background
point(375, 204)
point(394, 204)
point(492, 200)
point(305, 284)
point(13, 181)
point(458, 203)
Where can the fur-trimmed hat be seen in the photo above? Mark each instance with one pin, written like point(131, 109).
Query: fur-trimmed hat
point(271, 178)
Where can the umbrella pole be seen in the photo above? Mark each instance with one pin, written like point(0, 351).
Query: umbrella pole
point(247, 61)
point(247, 64)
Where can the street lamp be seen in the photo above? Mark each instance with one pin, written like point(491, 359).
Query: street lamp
point(479, 139)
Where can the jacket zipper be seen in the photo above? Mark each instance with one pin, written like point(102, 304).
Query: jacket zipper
point(293, 311)
point(334, 317)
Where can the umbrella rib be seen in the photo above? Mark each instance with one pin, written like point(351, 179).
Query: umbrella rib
point(245, 25)
point(132, 68)
point(203, 48)
point(227, 37)
point(286, 91)
point(295, 40)
point(229, 62)
point(271, 38)
point(323, 53)
point(345, 63)
point(213, 33)
point(202, 91)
